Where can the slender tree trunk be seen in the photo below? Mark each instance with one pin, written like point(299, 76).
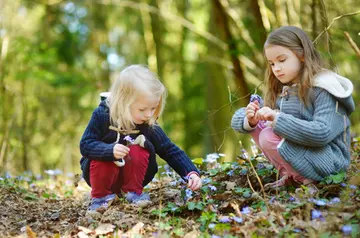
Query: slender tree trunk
point(24, 117)
point(148, 40)
point(223, 23)
point(183, 9)
point(221, 138)
point(313, 19)
point(261, 21)
point(5, 128)
point(157, 30)
point(243, 32)
point(325, 23)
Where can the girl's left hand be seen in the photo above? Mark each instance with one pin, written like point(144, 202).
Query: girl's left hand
point(265, 114)
point(194, 182)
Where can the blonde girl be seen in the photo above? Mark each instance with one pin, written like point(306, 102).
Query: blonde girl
point(137, 99)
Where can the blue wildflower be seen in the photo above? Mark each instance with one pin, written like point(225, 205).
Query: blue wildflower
point(343, 184)
point(188, 194)
point(315, 214)
point(129, 139)
point(318, 202)
point(211, 225)
point(235, 165)
point(272, 199)
point(297, 230)
point(230, 173)
point(167, 168)
point(215, 236)
point(8, 175)
point(346, 229)
point(206, 180)
point(224, 219)
point(245, 210)
point(260, 166)
point(243, 171)
point(334, 200)
point(255, 97)
point(353, 187)
point(291, 199)
point(212, 187)
point(1, 178)
point(173, 183)
point(238, 219)
point(53, 172)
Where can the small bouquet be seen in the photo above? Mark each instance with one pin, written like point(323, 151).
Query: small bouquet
point(256, 97)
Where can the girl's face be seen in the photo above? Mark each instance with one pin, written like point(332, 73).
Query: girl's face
point(143, 108)
point(284, 63)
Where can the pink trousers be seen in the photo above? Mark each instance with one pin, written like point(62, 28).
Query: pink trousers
point(267, 141)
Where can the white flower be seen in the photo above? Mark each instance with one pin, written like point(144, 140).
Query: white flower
point(212, 158)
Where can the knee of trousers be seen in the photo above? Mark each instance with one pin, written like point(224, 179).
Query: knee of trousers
point(267, 139)
point(139, 155)
point(102, 169)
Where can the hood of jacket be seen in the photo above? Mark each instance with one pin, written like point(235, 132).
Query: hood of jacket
point(337, 85)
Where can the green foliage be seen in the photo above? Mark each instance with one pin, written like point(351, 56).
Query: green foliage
point(335, 178)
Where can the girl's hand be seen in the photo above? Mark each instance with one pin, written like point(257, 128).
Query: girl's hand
point(250, 112)
point(194, 182)
point(120, 151)
point(266, 114)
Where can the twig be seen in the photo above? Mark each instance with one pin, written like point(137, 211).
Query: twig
point(332, 22)
point(238, 99)
point(258, 178)
point(352, 43)
point(261, 185)
point(252, 189)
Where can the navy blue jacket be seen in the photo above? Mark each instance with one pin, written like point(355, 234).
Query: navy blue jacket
point(98, 141)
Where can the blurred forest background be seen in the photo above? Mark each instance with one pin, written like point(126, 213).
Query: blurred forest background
point(57, 56)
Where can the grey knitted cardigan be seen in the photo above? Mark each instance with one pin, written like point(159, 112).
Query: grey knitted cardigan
point(316, 138)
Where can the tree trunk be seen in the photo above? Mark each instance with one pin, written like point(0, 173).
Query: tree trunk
point(183, 9)
point(24, 117)
point(223, 23)
point(313, 19)
point(221, 137)
point(157, 30)
point(261, 23)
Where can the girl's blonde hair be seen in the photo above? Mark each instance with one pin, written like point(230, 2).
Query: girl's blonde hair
point(133, 81)
point(296, 40)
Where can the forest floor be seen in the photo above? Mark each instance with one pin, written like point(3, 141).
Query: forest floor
point(231, 203)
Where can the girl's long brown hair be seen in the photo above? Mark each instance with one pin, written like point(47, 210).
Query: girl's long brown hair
point(296, 40)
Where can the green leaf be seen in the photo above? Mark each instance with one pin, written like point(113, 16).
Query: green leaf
point(191, 206)
point(198, 161)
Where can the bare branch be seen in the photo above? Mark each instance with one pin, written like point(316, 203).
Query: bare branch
point(332, 22)
point(352, 43)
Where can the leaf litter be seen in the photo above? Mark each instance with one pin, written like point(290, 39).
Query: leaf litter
point(231, 203)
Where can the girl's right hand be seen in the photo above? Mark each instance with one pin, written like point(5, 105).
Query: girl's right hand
point(250, 112)
point(120, 151)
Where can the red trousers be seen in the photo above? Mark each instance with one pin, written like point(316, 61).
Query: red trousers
point(107, 178)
